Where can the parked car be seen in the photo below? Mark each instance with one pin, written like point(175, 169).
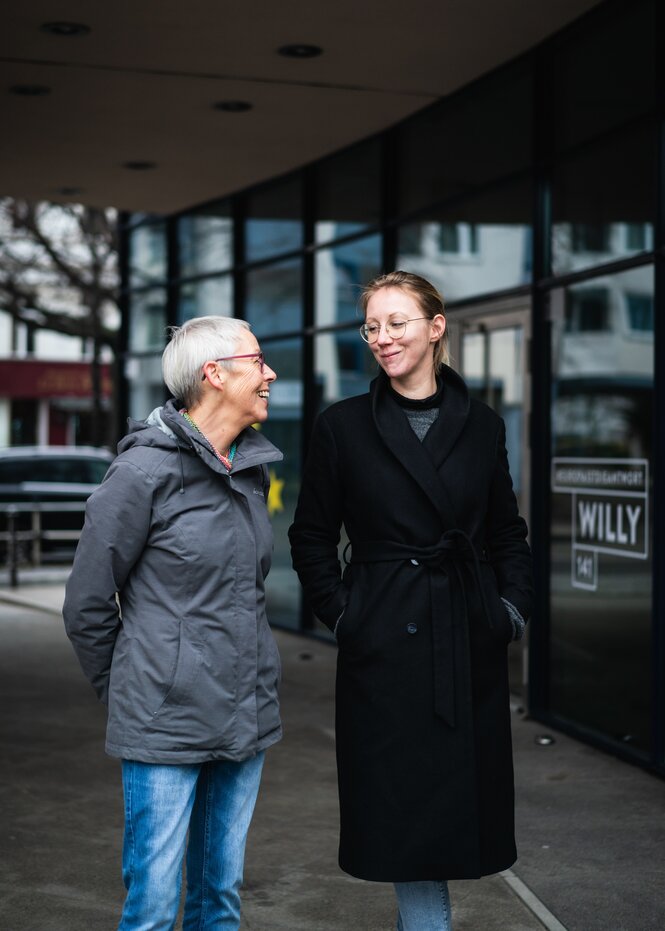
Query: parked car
point(49, 476)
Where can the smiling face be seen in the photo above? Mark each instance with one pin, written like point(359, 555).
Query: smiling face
point(407, 361)
point(246, 388)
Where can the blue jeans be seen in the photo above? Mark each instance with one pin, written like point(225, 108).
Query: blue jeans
point(423, 906)
point(215, 802)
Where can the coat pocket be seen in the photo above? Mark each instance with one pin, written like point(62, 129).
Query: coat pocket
point(346, 621)
point(185, 669)
point(500, 633)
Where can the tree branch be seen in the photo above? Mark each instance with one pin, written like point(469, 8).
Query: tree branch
point(23, 305)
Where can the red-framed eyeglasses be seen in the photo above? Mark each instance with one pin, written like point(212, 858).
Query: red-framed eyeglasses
point(249, 355)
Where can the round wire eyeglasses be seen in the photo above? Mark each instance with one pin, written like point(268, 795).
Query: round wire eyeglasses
point(395, 329)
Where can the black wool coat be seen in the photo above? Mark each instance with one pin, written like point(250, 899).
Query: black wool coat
point(422, 706)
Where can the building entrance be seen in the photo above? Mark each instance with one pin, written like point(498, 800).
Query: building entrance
point(489, 347)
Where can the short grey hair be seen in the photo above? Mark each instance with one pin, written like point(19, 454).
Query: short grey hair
point(191, 345)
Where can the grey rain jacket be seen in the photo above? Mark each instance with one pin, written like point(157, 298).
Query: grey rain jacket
point(188, 666)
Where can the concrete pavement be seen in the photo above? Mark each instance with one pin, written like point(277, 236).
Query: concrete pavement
point(591, 829)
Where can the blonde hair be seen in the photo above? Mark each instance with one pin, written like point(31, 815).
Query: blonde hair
point(427, 296)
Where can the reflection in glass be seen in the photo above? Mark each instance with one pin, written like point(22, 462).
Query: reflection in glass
point(493, 368)
point(211, 296)
point(273, 298)
point(604, 73)
point(343, 366)
point(146, 387)
point(476, 247)
point(147, 320)
point(284, 429)
point(603, 203)
point(603, 362)
point(147, 255)
point(480, 134)
point(205, 240)
point(492, 361)
point(348, 192)
point(274, 220)
point(340, 274)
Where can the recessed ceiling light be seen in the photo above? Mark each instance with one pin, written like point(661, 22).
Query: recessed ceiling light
point(30, 90)
point(139, 166)
point(300, 50)
point(233, 106)
point(65, 29)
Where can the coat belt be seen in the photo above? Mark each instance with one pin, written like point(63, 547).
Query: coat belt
point(447, 558)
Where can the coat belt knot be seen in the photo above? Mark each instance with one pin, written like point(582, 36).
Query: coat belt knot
point(448, 558)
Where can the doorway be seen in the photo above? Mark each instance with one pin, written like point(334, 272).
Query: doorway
point(490, 347)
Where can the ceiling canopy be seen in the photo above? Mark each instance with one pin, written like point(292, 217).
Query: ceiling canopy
point(158, 105)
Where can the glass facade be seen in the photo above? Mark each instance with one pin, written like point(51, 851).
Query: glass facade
point(479, 245)
point(348, 192)
point(603, 202)
point(284, 429)
point(273, 298)
point(273, 222)
point(601, 536)
point(531, 199)
point(207, 296)
point(205, 240)
point(341, 271)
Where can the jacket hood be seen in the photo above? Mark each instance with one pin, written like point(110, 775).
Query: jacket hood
point(140, 432)
point(164, 428)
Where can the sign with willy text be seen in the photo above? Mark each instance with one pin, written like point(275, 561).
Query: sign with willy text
point(609, 499)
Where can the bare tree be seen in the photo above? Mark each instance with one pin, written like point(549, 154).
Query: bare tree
point(59, 271)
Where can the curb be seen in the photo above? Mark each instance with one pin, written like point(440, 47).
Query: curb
point(19, 602)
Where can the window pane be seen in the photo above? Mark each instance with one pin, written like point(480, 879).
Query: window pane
point(147, 320)
point(146, 388)
point(601, 543)
point(604, 74)
point(475, 247)
point(478, 135)
point(274, 220)
point(284, 428)
point(273, 302)
point(23, 422)
point(343, 366)
point(340, 274)
point(493, 367)
point(147, 255)
point(212, 296)
point(205, 240)
point(348, 192)
point(603, 203)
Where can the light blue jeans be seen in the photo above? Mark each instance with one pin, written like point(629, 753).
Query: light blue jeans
point(215, 802)
point(423, 906)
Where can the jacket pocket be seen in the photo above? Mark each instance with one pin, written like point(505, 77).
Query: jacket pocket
point(185, 669)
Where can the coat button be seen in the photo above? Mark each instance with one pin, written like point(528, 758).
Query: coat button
point(414, 562)
point(412, 628)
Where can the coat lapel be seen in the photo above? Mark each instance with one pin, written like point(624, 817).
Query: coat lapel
point(446, 429)
point(422, 460)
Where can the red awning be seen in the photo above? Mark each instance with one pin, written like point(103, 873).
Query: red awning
point(31, 378)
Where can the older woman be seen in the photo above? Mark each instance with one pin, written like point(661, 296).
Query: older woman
point(165, 608)
point(438, 584)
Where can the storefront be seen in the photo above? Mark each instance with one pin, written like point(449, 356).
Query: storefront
point(49, 403)
point(533, 198)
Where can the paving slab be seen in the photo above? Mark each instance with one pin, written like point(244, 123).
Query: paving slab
point(591, 829)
